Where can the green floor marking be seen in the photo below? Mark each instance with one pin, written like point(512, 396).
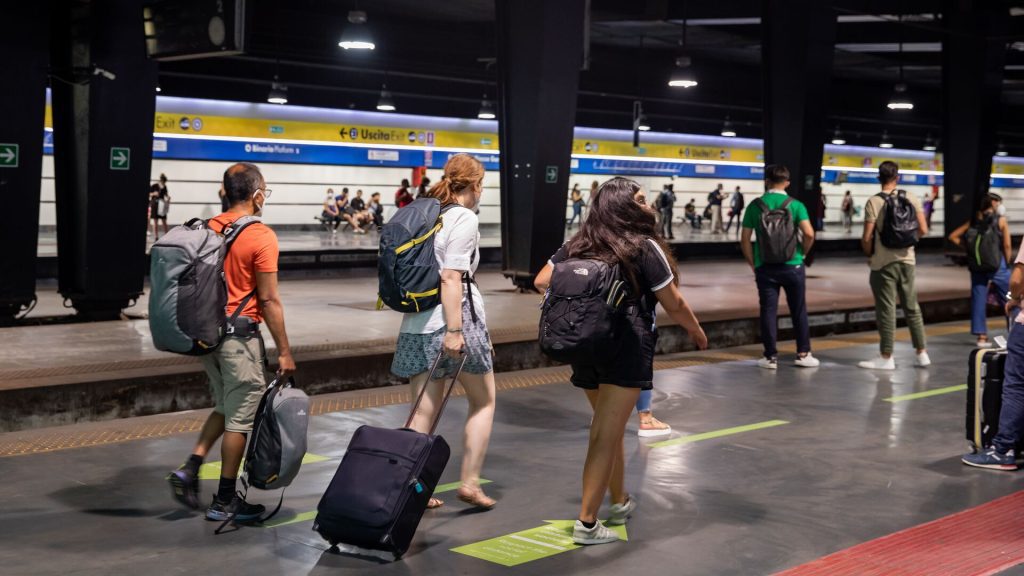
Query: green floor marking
point(554, 537)
point(718, 433)
point(303, 517)
point(307, 516)
point(454, 485)
point(211, 470)
point(928, 393)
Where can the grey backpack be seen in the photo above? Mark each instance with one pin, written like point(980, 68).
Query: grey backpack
point(188, 292)
point(277, 443)
point(776, 233)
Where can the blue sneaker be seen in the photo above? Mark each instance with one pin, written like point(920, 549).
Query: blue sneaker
point(184, 487)
point(238, 510)
point(992, 459)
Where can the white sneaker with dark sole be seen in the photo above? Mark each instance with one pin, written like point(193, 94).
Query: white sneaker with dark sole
point(621, 512)
point(807, 361)
point(768, 363)
point(878, 364)
point(599, 534)
point(922, 360)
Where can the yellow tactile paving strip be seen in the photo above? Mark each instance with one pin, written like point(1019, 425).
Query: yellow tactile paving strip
point(102, 433)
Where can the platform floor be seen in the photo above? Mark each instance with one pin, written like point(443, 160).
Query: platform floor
point(339, 312)
point(292, 240)
point(765, 471)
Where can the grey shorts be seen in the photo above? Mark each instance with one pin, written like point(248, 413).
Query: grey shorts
point(237, 381)
point(415, 353)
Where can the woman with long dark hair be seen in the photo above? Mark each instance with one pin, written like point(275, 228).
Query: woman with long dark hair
point(620, 230)
point(991, 214)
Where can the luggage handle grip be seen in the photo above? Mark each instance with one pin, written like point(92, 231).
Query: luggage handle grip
point(447, 394)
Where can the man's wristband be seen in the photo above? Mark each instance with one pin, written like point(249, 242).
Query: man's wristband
point(454, 330)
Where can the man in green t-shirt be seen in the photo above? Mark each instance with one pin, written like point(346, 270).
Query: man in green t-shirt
point(789, 276)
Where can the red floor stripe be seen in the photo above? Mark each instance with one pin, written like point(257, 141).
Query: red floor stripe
point(981, 541)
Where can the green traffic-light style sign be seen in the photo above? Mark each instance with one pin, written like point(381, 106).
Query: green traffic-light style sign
point(120, 158)
point(9, 155)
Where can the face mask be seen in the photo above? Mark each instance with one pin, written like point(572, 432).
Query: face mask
point(1001, 210)
point(259, 207)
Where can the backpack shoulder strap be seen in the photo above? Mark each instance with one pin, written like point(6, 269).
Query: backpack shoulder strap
point(760, 203)
point(786, 203)
point(231, 231)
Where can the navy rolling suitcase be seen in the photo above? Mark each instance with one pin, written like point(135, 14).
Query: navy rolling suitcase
point(984, 396)
point(379, 493)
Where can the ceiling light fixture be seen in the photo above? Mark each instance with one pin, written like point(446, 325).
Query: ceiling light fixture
point(899, 99)
point(727, 129)
point(356, 35)
point(1001, 150)
point(885, 143)
point(683, 76)
point(158, 87)
point(386, 103)
point(929, 144)
point(837, 138)
point(486, 110)
point(278, 92)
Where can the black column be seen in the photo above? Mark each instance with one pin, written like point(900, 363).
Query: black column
point(797, 46)
point(103, 140)
point(540, 52)
point(972, 66)
point(23, 45)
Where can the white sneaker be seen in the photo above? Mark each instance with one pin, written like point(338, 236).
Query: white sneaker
point(768, 363)
point(879, 364)
point(599, 534)
point(807, 361)
point(922, 360)
point(621, 512)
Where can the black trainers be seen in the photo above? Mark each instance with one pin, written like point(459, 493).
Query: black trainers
point(184, 487)
point(238, 509)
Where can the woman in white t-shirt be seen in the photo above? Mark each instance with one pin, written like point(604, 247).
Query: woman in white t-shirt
point(458, 325)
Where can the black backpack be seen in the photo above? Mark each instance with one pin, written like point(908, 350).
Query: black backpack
point(984, 245)
point(899, 228)
point(776, 233)
point(582, 314)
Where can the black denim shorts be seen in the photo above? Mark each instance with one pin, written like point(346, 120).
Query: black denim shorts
point(631, 367)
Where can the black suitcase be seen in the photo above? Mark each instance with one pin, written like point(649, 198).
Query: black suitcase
point(984, 396)
point(379, 493)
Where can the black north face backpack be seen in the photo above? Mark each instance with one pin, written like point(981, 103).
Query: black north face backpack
point(776, 233)
point(900, 228)
point(582, 312)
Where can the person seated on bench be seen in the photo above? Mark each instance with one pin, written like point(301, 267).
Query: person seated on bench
point(330, 216)
point(347, 212)
point(690, 212)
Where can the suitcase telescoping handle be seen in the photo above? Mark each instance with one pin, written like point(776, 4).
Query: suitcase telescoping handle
point(447, 393)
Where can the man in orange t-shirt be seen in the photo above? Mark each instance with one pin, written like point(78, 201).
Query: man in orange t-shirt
point(236, 368)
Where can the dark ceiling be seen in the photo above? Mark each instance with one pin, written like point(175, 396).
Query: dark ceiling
point(437, 58)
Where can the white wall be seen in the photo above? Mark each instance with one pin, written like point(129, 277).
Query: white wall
point(299, 190)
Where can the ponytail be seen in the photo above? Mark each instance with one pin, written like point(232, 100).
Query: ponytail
point(461, 172)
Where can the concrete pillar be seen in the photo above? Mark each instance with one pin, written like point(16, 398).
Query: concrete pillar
point(972, 70)
point(540, 53)
point(798, 43)
point(103, 141)
point(24, 40)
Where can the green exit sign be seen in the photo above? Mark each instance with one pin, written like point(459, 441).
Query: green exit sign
point(9, 155)
point(120, 158)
